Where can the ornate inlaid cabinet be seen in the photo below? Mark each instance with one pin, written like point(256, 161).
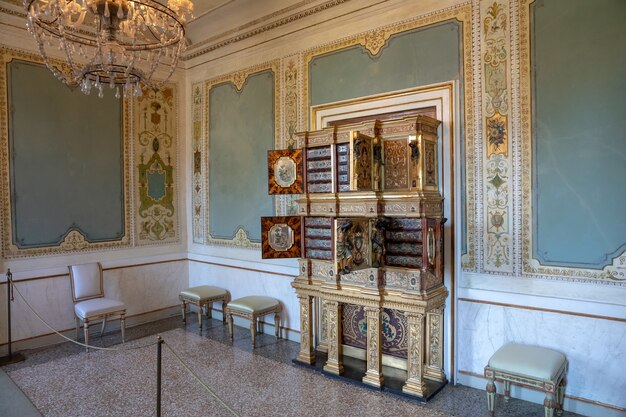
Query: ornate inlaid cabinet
point(370, 240)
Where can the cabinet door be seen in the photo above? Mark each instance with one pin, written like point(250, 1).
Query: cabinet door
point(285, 171)
point(361, 162)
point(352, 244)
point(281, 237)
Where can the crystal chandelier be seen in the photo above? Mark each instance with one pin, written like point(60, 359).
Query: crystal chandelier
point(116, 42)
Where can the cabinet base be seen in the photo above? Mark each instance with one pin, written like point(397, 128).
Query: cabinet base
point(394, 379)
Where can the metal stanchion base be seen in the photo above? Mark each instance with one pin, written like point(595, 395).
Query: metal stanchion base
point(14, 358)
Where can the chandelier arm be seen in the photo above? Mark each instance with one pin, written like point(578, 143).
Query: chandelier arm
point(127, 41)
point(64, 44)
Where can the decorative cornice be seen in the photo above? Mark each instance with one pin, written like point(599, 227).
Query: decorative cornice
point(261, 29)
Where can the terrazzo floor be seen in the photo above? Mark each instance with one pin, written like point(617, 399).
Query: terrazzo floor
point(63, 380)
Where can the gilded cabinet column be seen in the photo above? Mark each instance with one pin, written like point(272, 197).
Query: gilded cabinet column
point(306, 354)
point(415, 383)
point(335, 362)
point(374, 374)
point(322, 346)
point(434, 348)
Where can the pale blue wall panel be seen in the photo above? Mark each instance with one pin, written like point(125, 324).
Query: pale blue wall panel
point(579, 136)
point(241, 131)
point(66, 152)
point(410, 59)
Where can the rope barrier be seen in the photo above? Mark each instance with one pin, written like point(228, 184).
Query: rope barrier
point(197, 378)
point(158, 342)
point(123, 348)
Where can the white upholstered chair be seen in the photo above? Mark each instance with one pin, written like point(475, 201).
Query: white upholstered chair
point(89, 302)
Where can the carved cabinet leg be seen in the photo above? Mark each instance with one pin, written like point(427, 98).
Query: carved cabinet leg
point(306, 354)
point(434, 346)
point(374, 374)
point(334, 363)
point(415, 382)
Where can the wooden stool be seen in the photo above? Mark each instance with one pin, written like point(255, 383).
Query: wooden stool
point(531, 366)
point(204, 296)
point(252, 308)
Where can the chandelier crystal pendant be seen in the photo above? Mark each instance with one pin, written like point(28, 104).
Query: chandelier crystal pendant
point(119, 43)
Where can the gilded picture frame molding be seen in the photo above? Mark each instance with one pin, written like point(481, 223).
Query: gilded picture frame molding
point(531, 267)
point(74, 240)
point(240, 237)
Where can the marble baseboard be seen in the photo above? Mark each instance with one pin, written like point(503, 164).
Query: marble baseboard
point(595, 348)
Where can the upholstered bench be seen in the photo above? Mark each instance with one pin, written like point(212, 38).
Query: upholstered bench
point(252, 308)
point(204, 296)
point(532, 366)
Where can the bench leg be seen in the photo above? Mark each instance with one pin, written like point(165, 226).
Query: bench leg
point(77, 327)
point(123, 327)
point(200, 317)
point(507, 390)
point(548, 404)
point(230, 326)
point(259, 327)
point(491, 397)
point(209, 310)
point(253, 325)
point(277, 325)
point(104, 325)
point(560, 394)
point(224, 311)
point(184, 312)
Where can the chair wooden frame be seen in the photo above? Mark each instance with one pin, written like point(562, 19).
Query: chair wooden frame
point(87, 321)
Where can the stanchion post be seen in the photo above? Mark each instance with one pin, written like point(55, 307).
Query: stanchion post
point(159, 354)
point(10, 358)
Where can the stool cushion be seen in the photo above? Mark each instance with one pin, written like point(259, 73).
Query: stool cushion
point(254, 303)
point(532, 361)
point(203, 292)
point(98, 306)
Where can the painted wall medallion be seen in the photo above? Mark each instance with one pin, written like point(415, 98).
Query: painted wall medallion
point(281, 237)
point(285, 171)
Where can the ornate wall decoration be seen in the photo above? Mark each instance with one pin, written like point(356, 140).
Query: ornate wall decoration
point(287, 204)
point(374, 41)
point(74, 240)
point(197, 174)
point(155, 150)
point(291, 103)
point(241, 236)
point(497, 166)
